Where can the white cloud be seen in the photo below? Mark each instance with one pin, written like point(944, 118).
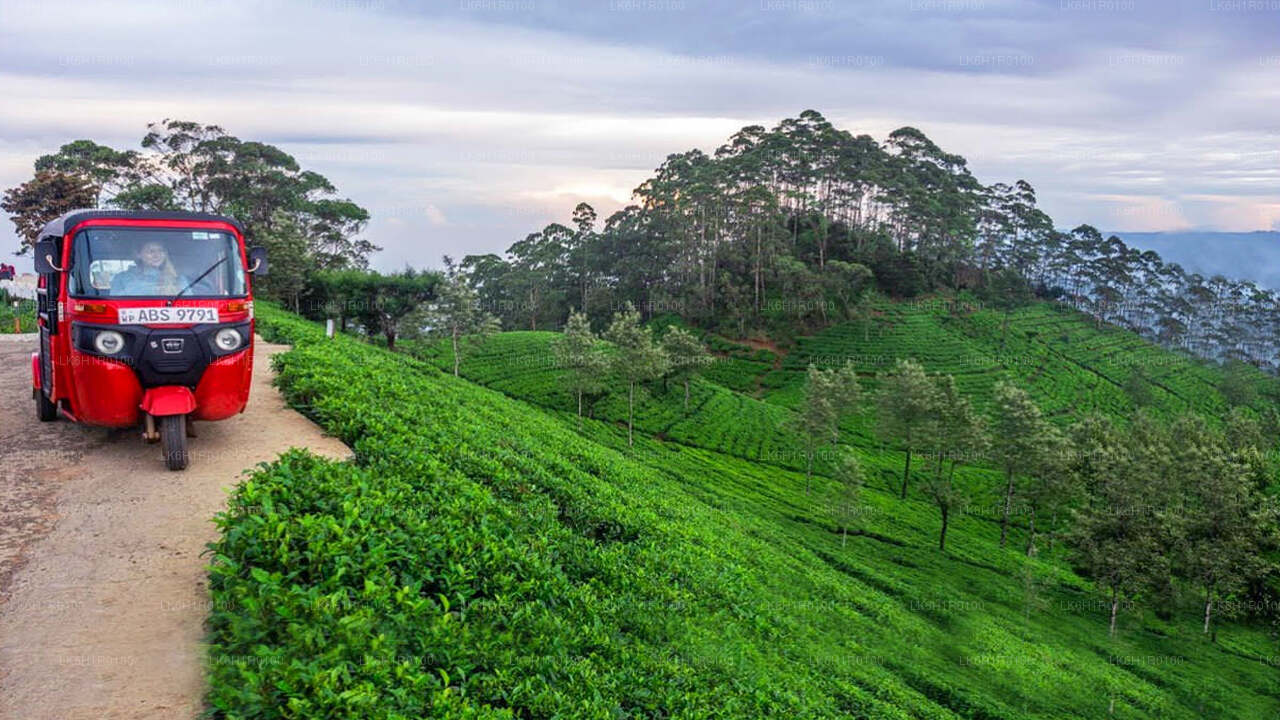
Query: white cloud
point(500, 127)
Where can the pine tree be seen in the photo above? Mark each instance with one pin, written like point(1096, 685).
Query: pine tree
point(638, 358)
point(846, 394)
point(1017, 431)
point(957, 433)
point(850, 479)
point(579, 351)
point(1051, 483)
point(456, 313)
point(907, 405)
point(686, 355)
point(816, 422)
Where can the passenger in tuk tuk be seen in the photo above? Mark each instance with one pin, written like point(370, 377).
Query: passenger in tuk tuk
point(153, 274)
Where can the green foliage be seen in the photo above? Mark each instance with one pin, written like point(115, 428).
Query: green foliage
point(686, 356)
point(956, 434)
point(1222, 522)
point(816, 422)
point(907, 410)
point(1018, 434)
point(183, 165)
point(581, 353)
point(25, 312)
point(43, 198)
point(381, 303)
point(1236, 385)
point(454, 313)
point(637, 358)
point(290, 262)
point(829, 396)
point(483, 558)
point(1139, 390)
point(849, 482)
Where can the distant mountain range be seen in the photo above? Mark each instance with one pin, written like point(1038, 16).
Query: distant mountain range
point(1250, 255)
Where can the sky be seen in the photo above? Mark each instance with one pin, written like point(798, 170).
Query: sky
point(464, 125)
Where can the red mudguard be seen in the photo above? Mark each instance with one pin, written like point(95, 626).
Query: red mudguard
point(35, 370)
point(168, 400)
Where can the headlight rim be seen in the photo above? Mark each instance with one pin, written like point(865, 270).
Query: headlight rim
point(224, 332)
point(108, 334)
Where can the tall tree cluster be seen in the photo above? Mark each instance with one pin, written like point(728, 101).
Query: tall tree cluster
point(629, 352)
point(1157, 509)
point(782, 229)
point(1172, 507)
point(295, 213)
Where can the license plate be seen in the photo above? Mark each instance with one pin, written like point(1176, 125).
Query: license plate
point(167, 315)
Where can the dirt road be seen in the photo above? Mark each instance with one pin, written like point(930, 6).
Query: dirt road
point(102, 581)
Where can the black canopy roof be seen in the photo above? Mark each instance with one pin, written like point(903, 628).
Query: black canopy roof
point(59, 227)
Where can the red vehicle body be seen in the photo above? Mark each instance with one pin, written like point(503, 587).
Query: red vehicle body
point(131, 335)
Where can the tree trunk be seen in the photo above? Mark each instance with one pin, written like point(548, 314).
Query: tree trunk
point(1031, 536)
point(686, 394)
point(457, 361)
point(906, 473)
point(757, 271)
point(579, 404)
point(391, 339)
point(631, 404)
point(1115, 605)
point(1008, 508)
point(808, 470)
point(1208, 609)
point(942, 536)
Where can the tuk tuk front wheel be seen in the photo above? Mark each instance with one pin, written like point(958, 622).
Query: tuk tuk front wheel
point(45, 410)
point(173, 438)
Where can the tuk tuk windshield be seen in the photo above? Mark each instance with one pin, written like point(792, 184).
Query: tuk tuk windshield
point(141, 262)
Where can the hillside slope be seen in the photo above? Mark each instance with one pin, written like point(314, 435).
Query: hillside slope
point(1069, 365)
point(487, 558)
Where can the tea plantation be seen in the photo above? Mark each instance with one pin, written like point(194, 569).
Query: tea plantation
point(488, 557)
point(741, 404)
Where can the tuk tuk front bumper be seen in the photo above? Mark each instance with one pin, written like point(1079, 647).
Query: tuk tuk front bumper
point(160, 371)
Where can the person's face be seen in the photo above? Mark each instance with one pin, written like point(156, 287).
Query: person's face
point(153, 255)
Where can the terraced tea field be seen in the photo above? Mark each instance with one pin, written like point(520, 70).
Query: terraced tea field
point(1058, 355)
point(741, 406)
point(486, 557)
point(521, 365)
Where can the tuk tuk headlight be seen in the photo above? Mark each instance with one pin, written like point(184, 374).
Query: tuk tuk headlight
point(108, 342)
point(227, 339)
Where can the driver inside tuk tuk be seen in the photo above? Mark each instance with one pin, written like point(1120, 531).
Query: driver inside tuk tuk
point(153, 274)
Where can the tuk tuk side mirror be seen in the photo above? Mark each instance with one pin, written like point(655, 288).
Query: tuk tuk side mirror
point(258, 261)
point(46, 259)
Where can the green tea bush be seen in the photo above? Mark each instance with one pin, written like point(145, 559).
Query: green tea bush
point(484, 558)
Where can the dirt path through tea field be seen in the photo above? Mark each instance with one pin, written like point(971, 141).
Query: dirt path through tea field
point(102, 580)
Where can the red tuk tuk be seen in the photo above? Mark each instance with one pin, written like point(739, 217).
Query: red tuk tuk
point(144, 318)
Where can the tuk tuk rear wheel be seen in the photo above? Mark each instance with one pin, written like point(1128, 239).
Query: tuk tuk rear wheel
point(173, 438)
point(45, 410)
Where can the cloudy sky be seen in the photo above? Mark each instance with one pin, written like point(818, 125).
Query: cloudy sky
point(464, 124)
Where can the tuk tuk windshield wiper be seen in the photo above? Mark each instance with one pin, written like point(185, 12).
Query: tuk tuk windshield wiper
point(192, 284)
